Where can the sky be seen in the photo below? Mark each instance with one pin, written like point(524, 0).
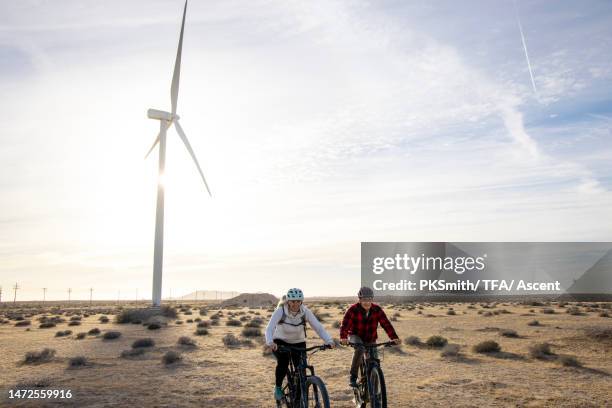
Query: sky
point(318, 125)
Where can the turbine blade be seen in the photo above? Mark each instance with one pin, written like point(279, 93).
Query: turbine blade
point(177, 66)
point(153, 147)
point(156, 141)
point(181, 133)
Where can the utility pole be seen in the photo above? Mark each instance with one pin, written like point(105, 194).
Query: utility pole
point(44, 295)
point(137, 294)
point(69, 292)
point(15, 292)
point(90, 295)
point(118, 295)
point(0, 294)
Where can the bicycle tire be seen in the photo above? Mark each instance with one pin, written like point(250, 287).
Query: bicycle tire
point(378, 390)
point(319, 391)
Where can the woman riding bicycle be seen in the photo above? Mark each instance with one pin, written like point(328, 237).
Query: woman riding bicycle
point(287, 326)
point(361, 322)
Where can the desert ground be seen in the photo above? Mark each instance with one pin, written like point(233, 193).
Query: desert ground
point(572, 368)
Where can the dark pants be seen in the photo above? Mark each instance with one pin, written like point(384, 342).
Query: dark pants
point(358, 355)
point(282, 360)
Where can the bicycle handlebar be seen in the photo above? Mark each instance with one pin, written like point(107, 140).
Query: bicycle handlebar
point(282, 347)
point(372, 345)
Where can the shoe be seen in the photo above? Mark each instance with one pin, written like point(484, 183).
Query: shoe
point(353, 381)
point(278, 393)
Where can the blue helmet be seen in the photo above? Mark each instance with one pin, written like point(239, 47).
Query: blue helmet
point(295, 294)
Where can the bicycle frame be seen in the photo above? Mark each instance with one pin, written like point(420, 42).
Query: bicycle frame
point(300, 371)
point(367, 363)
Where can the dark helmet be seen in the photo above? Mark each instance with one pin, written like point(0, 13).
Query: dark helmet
point(365, 292)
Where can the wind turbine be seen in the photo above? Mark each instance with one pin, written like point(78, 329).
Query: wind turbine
point(167, 119)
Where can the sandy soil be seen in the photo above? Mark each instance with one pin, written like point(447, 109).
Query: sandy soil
point(213, 375)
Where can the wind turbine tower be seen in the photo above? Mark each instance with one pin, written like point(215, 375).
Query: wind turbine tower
point(167, 119)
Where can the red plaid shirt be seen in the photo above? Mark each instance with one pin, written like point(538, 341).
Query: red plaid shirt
point(364, 324)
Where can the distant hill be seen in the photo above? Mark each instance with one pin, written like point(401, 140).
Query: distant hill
point(251, 300)
point(597, 279)
point(208, 295)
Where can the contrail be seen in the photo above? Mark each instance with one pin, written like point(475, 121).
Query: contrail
point(518, 20)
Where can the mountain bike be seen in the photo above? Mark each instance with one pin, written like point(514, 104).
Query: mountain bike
point(371, 387)
point(300, 389)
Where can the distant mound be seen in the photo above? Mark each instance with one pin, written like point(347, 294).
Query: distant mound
point(251, 300)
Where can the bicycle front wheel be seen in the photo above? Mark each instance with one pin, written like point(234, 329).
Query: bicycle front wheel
point(317, 393)
point(378, 391)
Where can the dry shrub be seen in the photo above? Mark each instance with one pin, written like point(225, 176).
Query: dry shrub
point(201, 331)
point(229, 340)
point(111, 335)
point(233, 322)
point(81, 335)
point(93, 332)
point(186, 341)
point(256, 322)
point(145, 342)
point(22, 323)
point(533, 323)
point(171, 357)
point(540, 351)
point(509, 333)
point(251, 332)
point(63, 333)
point(78, 361)
point(36, 357)
point(413, 341)
point(436, 341)
point(487, 346)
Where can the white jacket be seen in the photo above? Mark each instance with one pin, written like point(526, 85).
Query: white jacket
point(294, 334)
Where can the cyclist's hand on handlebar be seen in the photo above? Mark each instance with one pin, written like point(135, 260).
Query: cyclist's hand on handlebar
point(331, 345)
point(344, 342)
point(273, 346)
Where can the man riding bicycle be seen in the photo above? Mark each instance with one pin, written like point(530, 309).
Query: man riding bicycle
point(361, 323)
point(287, 326)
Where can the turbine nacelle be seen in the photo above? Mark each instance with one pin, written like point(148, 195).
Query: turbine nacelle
point(161, 115)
